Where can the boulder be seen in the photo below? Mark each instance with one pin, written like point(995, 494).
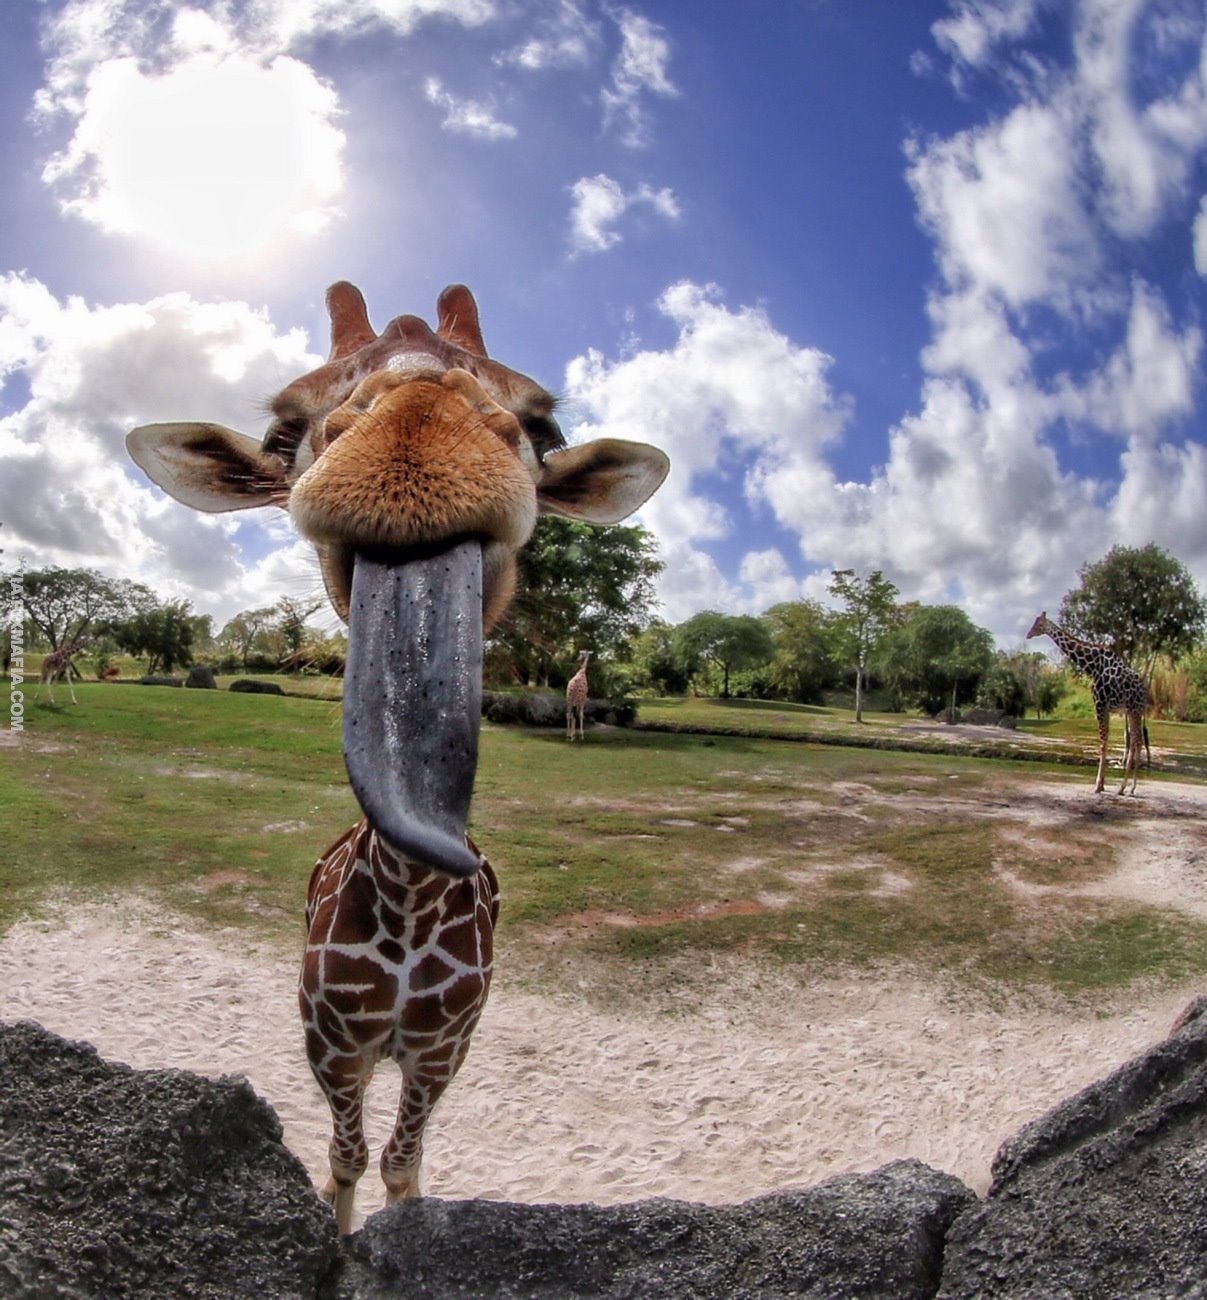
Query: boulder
point(990, 718)
point(201, 678)
point(249, 686)
point(153, 679)
point(1106, 1195)
point(874, 1235)
point(116, 1182)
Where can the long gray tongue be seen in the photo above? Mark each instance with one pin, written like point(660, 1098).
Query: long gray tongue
point(413, 699)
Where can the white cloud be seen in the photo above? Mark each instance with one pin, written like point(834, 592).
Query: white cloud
point(1145, 151)
point(1199, 236)
point(69, 495)
point(639, 69)
point(599, 203)
point(733, 396)
point(978, 28)
point(201, 126)
point(220, 155)
point(1005, 206)
point(1148, 382)
point(467, 116)
point(565, 39)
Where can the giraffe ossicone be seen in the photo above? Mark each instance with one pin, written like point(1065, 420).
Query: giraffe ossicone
point(1114, 685)
point(417, 466)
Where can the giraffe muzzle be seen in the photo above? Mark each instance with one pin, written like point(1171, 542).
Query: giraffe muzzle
point(413, 698)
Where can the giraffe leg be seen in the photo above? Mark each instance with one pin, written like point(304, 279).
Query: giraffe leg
point(1103, 734)
point(402, 1155)
point(71, 688)
point(348, 1153)
point(1131, 760)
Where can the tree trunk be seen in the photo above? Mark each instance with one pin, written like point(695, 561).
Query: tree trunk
point(859, 689)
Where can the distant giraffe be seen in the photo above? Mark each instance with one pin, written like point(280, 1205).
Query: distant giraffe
point(57, 666)
point(576, 698)
point(1113, 685)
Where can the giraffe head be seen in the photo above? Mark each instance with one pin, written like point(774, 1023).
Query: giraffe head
point(417, 466)
point(1039, 627)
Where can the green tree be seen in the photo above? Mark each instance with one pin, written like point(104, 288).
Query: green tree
point(655, 664)
point(806, 650)
point(580, 588)
point(240, 635)
point(726, 641)
point(1003, 687)
point(290, 619)
point(869, 606)
point(67, 604)
point(164, 634)
point(1141, 600)
point(936, 655)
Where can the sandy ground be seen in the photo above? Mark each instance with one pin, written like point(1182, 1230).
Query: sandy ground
point(760, 1088)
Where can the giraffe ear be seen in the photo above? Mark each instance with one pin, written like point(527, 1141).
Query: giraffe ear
point(207, 467)
point(601, 482)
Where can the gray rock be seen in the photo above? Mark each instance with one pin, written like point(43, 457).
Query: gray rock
point(990, 718)
point(249, 686)
point(1104, 1196)
point(116, 1182)
point(201, 677)
point(876, 1235)
point(154, 679)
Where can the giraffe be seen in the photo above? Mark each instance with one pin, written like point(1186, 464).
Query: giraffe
point(576, 698)
point(416, 465)
point(57, 666)
point(1113, 685)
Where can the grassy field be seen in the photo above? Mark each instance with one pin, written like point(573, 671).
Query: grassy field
point(630, 862)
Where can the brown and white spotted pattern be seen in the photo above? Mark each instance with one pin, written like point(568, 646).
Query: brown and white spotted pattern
point(57, 666)
point(397, 966)
point(577, 692)
point(1114, 686)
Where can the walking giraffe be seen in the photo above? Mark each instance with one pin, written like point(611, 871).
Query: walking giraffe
point(417, 466)
point(1113, 685)
point(576, 698)
point(57, 666)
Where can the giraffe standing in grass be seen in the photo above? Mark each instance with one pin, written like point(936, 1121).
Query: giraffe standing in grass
point(57, 666)
point(417, 466)
point(576, 698)
point(1113, 686)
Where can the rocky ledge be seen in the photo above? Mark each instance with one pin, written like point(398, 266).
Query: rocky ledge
point(117, 1182)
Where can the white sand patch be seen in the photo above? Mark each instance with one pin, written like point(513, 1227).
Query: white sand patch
point(758, 1090)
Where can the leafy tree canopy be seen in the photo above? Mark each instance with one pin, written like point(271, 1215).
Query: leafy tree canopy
point(580, 588)
point(807, 654)
point(936, 656)
point(163, 633)
point(66, 604)
point(1142, 600)
point(727, 641)
point(869, 611)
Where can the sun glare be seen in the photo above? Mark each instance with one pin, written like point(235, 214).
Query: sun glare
point(219, 156)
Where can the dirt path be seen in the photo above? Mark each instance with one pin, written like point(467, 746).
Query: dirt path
point(757, 1091)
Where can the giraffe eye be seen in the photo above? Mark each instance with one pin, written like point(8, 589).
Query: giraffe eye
point(543, 432)
point(283, 436)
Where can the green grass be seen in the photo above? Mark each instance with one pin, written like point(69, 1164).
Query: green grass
point(634, 853)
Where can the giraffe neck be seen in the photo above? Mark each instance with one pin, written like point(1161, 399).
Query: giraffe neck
point(1086, 656)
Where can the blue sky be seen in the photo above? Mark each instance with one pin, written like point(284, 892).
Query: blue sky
point(916, 286)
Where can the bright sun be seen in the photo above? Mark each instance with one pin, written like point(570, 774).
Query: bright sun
point(220, 156)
